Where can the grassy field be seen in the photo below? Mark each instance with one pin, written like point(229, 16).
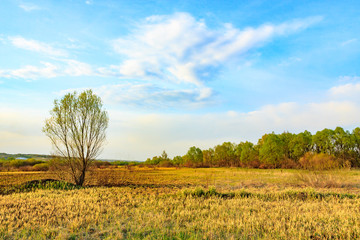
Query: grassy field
point(213, 203)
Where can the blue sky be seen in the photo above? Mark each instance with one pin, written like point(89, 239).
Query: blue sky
point(177, 74)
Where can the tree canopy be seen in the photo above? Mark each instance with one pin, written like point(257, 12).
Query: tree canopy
point(76, 129)
point(286, 150)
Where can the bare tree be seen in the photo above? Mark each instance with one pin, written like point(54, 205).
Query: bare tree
point(76, 129)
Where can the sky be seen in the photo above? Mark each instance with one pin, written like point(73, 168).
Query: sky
point(176, 74)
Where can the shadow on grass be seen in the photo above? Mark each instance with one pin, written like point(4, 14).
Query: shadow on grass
point(38, 184)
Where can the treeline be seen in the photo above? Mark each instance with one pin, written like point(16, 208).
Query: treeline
point(30, 164)
point(326, 149)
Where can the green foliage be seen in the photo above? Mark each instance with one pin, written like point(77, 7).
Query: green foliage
point(278, 151)
point(323, 141)
point(76, 129)
point(271, 150)
point(248, 153)
point(209, 157)
point(48, 184)
point(124, 163)
point(160, 160)
point(300, 144)
point(11, 163)
point(178, 160)
point(194, 157)
point(225, 154)
point(41, 166)
point(211, 192)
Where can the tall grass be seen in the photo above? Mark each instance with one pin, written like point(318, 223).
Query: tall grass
point(167, 213)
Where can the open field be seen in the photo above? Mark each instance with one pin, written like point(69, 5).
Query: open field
point(182, 203)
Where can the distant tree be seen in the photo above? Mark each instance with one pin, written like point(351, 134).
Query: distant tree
point(355, 135)
point(323, 141)
point(248, 153)
point(286, 139)
point(271, 150)
point(208, 157)
point(76, 129)
point(300, 144)
point(164, 156)
point(342, 144)
point(194, 157)
point(225, 155)
point(178, 161)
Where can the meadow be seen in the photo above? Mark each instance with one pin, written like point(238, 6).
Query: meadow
point(184, 203)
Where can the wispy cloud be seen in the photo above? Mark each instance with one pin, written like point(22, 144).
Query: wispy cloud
point(348, 91)
point(150, 95)
point(180, 48)
point(66, 67)
point(36, 46)
point(176, 50)
point(347, 42)
point(28, 7)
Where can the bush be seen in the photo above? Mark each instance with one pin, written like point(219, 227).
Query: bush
point(318, 161)
point(254, 164)
point(166, 163)
point(289, 164)
point(101, 164)
point(41, 167)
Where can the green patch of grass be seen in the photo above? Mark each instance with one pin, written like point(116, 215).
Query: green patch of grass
point(38, 184)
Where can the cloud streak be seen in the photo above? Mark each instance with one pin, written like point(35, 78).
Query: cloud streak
point(182, 49)
point(67, 67)
point(36, 46)
point(176, 51)
point(28, 7)
point(150, 95)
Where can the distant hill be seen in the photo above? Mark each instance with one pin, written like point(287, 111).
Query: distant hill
point(24, 156)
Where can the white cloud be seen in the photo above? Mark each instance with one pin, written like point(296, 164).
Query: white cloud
point(150, 95)
point(349, 91)
point(66, 67)
point(182, 49)
point(76, 68)
point(28, 7)
point(36, 46)
point(48, 70)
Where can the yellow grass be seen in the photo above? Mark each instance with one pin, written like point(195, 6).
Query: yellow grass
point(152, 204)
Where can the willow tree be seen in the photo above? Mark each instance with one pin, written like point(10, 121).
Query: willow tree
point(76, 129)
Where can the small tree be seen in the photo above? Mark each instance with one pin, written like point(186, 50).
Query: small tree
point(76, 129)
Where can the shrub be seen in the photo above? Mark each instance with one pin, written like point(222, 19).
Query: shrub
point(289, 164)
point(101, 164)
point(318, 161)
point(41, 167)
point(254, 164)
point(166, 163)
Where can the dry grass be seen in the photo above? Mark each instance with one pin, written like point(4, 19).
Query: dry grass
point(145, 203)
point(137, 213)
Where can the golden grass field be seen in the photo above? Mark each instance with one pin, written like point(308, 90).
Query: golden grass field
point(166, 203)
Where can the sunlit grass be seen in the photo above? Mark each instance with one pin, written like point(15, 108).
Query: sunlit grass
point(125, 212)
point(169, 203)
